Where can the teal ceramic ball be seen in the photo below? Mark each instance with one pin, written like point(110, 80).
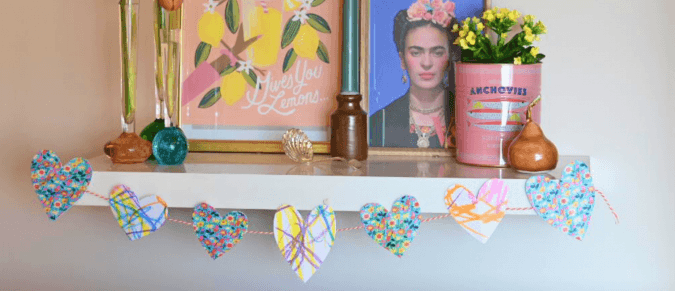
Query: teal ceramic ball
point(170, 146)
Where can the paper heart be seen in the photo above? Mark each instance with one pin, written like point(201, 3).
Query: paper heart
point(59, 186)
point(479, 215)
point(137, 218)
point(305, 243)
point(393, 230)
point(218, 234)
point(567, 204)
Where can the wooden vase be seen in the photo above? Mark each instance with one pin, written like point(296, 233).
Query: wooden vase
point(349, 129)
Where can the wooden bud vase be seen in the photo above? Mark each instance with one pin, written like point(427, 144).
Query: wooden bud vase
point(349, 129)
point(531, 151)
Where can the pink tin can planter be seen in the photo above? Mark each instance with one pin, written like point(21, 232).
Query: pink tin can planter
point(490, 108)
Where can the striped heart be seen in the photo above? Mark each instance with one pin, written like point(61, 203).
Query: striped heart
point(137, 218)
point(478, 214)
point(305, 243)
point(59, 186)
point(218, 234)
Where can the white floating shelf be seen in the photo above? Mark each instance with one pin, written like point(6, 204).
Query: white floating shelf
point(266, 181)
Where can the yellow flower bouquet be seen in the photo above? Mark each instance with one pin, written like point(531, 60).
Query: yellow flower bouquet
point(474, 38)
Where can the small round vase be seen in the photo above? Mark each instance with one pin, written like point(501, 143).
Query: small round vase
point(170, 146)
point(150, 131)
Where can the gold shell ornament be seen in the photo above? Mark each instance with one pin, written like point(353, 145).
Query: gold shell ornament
point(297, 146)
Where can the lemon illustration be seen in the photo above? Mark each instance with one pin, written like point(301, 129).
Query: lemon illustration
point(211, 28)
point(306, 42)
point(478, 105)
point(265, 51)
point(233, 87)
point(290, 5)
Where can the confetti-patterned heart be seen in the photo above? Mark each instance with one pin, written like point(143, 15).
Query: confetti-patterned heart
point(137, 218)
point(395, 229)
point(305, 243)
point(218, 234)
point(568, 204)
point(478, 214)
point(59, 186)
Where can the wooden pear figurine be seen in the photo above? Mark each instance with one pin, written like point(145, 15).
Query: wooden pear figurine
point(170, 5)
point(531, 151)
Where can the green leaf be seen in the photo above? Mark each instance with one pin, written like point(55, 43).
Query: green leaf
point(540, 57)
point(232, 15)
point(290, 32)
point(318, 23)
point(322, 53)
point(227, 70)
point(289, 59)
point(317, 2)
point(202, 53)
point(251, 78)
point(210, 98)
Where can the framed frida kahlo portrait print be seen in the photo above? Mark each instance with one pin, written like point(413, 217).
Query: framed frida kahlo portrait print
point(253, 69)
point(407, 72)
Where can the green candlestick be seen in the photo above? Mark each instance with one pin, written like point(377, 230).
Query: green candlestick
point(350, 52)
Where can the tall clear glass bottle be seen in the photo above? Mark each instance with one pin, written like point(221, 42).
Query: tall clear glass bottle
point(170, 144)
point(129, 148)
point(160, 22)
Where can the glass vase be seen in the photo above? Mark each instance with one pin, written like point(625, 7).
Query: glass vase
point(170, 144)
point(128, 148)
point(160, 22)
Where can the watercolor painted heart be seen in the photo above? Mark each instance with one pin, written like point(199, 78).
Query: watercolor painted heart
point(137, 218)
point(218, 234)
point(395, 229)
point(305, 243)
point(59, 186)
point(568, 204)
point(478, 214)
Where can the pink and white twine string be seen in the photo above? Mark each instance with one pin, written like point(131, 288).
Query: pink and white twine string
point(443, 216)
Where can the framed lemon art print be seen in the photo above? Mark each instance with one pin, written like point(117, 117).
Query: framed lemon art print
point(253, 69)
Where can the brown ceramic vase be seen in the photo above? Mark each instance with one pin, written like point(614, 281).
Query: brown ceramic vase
point(349, 129)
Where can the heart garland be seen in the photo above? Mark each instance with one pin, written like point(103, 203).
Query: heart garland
point(479, 215)
point(218, 234)
point(393, 230)
point(137, 218)
point(59, 186)
point(305, 243)
point(566, 204)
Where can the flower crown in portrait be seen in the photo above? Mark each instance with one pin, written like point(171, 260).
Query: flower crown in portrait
point(436, 11)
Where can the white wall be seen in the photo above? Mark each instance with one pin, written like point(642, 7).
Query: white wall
point(608, 86)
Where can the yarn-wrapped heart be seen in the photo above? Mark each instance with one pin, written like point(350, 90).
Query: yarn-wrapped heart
point(305, 243)
point(566, 204)
point(218, 234)
point(59, 186)
point(395, 229)
point(478, 214)
point(137, 218)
